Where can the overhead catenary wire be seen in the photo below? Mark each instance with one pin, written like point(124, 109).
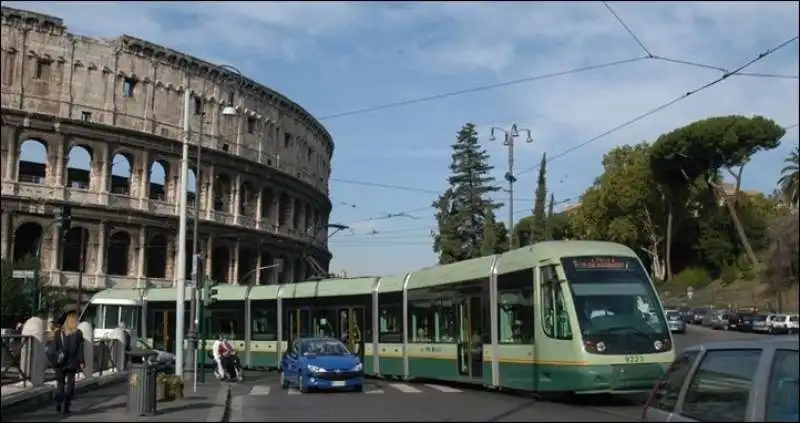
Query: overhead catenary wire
point(663, 106)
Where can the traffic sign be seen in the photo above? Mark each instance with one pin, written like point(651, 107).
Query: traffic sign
point(23, 274)
point(690, 292)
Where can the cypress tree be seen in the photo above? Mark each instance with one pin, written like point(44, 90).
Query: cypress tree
point(539, 222)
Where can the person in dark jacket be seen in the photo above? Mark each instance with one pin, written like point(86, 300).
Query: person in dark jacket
point(67, 359)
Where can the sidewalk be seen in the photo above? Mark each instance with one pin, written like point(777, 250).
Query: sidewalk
point(15, 394)
point(209, 403)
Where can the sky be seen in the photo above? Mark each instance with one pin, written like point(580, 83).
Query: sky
point(502, 63)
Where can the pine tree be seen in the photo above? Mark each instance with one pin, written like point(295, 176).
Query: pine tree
point(539, 222)
point(550, 207)
point(461, 210)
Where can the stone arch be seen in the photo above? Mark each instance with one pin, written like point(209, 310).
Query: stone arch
point(222, 193)
point(248, 199)
point(74, 249)
point(32, 161)
point(285, 213)
point(118, 253)
point(247, 265)
point(192, 187)
point(27, 238)
point(267, 276)
point(159, 177)
point(220, 263)
point(156, 257)
point(80, 159)
point(120, 170)
point(267, 204)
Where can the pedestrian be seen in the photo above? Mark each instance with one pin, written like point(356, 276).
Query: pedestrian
point(67, 358)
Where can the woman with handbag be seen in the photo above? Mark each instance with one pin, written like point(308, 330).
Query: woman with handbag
point(67, 359)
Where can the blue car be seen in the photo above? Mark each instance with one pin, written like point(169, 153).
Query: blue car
point(321, 363)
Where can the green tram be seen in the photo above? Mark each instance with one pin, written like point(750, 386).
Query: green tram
point(557, 316)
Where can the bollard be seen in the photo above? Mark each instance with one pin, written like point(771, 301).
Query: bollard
point(34, 355)
point(118, 337)
point(88, 349)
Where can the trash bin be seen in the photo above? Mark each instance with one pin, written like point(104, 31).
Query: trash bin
point(141, 383)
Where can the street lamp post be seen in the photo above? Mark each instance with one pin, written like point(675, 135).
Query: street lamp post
point(510, 135)
point(180, 302)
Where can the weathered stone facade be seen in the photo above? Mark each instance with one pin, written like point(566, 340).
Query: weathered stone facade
point(263, 185)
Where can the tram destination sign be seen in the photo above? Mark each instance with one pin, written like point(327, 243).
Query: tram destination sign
point(601, 263)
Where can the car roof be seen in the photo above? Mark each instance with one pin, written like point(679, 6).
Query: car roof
point(317, 339)
point(792, 342)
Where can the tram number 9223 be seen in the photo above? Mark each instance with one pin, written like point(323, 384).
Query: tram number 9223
point(633, 359)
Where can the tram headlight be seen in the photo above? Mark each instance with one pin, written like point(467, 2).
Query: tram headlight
point(658, 345)
point(601, 346)
point(595, 347)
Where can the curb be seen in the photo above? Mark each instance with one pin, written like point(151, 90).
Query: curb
point(37, 397)
point(222, 408)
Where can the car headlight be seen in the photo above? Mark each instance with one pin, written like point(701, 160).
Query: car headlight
point(315, 369)
point(358, 367)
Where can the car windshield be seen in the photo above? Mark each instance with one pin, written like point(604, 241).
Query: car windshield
point(793, 318)
point(329, 346)
point(673, 315)
point(759, 318)
point(613, 293)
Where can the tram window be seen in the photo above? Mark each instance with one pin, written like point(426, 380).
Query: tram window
point(446, 318)
point(130, 318)
point(391, 324)
point(264, 324)
point(421, 320)
point(515, 307)
point(325, 323)
point(555, 318)
point(227, 322)
point(110, 317)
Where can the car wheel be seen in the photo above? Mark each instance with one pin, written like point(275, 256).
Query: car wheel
point(358, 388)
point(301, 386)
point(771, 331)
point(284, 381)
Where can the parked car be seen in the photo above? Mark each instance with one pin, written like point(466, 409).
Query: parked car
point(746, 322)
point(698, 314)
point(729, 381)
point(721, 321)
point(758, 323)
point(686, 314)
point(784, 323)
point(675, 322)
point(709, 318)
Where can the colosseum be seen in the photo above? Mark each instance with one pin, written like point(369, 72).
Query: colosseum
point(98, 125)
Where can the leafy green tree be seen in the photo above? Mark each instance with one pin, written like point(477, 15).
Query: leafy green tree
point(495, 236)
point(19, 296)
point(539, 223)
point(462, 209)
point(700, 150)
point(625, 205)
point(789, 181)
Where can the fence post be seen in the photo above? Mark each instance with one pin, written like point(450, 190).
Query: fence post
point(88, 350)
point(33, 357)
point(117, 338)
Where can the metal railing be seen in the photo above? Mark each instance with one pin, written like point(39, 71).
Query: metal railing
point(14, 346)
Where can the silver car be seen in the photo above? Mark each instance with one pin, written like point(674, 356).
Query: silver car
point(675, 322)
point(744, 381)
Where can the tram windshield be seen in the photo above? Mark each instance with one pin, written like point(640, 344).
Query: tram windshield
point(613, 296)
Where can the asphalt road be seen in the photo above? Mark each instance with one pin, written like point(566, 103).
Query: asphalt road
point(260, 399)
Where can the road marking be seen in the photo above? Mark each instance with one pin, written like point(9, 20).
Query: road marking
point(260, 390)
point(293, 391)
point(441, 388)
point(406, 389)
point(374, 391)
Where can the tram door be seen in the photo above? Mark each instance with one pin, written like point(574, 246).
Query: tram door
point(470, 346)
point(164, 330)
point(293, 324)
point(351, 325)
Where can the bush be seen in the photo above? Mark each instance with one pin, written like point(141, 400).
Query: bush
point(729, 274)
point(696, 277)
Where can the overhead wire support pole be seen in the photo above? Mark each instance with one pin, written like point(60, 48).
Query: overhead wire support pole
point(180, 285)
point(510, 135)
